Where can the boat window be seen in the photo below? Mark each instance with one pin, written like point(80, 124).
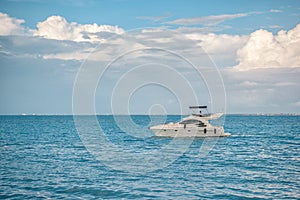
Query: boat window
point(201, 125)
point(190, 121)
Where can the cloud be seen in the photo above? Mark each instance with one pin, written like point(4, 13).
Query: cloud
point(266, 50)
point(275, 11)
point(20, 46)
point(10, 25)
point(206, 20)
point(221, 47)
point(57, 27)
point(297, 104)
point(267, 90)
point(219, 43)
point(154, 18)
point(75, 55)
point(57, 46)
point(274, 26)
point(261, 49)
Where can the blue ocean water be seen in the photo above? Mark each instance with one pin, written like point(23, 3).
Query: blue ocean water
point(44, 157)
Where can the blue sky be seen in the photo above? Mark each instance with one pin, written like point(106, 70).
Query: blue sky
point(127, 14)
point(254, 44)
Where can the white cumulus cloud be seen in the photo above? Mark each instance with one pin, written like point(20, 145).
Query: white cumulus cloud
point(10, 25)
point(266, 50)
point(219, 43)
point(57, 27)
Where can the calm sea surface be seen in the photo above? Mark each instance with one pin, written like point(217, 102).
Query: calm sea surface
point(44, 157)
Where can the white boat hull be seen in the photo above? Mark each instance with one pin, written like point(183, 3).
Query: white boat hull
point(189, 132)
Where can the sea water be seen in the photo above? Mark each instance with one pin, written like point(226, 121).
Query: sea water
point(44, 157)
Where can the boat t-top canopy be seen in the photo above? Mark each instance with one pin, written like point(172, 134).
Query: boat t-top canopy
point(195, 107)
point(200, 111)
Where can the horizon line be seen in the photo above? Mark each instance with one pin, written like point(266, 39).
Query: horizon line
point(144, 114)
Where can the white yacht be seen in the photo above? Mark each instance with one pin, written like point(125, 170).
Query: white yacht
point(195, 125)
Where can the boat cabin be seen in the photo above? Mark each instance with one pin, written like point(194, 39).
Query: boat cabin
point(196, 122)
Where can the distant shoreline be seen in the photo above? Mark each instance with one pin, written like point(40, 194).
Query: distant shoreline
point(231, 114)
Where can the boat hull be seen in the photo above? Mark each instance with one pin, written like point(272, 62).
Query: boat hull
point(189, 132)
